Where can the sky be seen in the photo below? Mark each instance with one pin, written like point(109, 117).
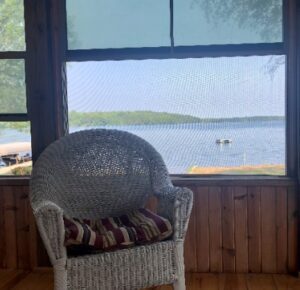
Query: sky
point(206, 88)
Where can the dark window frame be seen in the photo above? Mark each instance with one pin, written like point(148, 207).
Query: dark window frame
point(286, 47)
point(45, 64)
point(15, 117)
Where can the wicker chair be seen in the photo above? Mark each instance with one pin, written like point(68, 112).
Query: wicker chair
point(100, 173)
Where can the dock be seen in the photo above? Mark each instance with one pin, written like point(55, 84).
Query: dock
point(15, 148)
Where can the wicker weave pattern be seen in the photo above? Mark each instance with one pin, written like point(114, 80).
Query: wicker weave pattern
point(100, 173)
point(131, 269)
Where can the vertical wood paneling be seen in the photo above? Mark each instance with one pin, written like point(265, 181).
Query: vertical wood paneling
point(22, 219)
point(215, 229)
point(228, 243)
point(33, 247)
point(254, 229)
point(202, 228)
point(190, 246)
point(281, 230)
point(292, 230)
point(15, 224)
point(10, 228)
point(2, 233)
point(268, 222)
point(241, 229)
point(231, 229)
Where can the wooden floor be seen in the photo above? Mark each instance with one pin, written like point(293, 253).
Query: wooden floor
point(42, 280)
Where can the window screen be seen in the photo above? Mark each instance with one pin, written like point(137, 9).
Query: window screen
point(12, 86)
point(15, 139)
point(202, 22)
point(147, 23)
point(118, 23)
point(12, 25)
point(210, 116)
point(15, 148)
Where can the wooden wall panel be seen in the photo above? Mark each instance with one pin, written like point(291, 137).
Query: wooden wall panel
point(241, 229)
point(215, 229)
point(14, 222)
point(22, 227)
point(254, 229)
point(228, 240)
point(232, 229)
point(293, 215)
point(281, 229)
point(191, 248)
point(202, 229)
point(2, 233)
point(268, 223)
point(9, 204)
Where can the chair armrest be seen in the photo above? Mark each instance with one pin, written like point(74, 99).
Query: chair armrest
point(175, 203)
point(49, 218)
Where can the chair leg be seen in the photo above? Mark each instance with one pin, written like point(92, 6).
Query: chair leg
point(60, 276)
point(180, 283)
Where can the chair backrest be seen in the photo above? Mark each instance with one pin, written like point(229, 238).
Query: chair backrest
point(98, 173)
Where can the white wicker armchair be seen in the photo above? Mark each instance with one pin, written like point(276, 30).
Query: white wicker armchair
point(100, 173)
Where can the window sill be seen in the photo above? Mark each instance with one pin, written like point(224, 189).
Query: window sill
point(191, 180)
point(14, 180)
point(232, 180)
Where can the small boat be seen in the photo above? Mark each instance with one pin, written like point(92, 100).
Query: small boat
point(223, 141)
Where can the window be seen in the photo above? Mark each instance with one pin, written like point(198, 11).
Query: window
point(202, 22)
point(132, 23)
point(207, 87)
point(15, 145)
point(185, 106)
point(98, 24)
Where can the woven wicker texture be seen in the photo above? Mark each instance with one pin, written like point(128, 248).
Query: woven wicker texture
point(130, 269)
point(101, 173)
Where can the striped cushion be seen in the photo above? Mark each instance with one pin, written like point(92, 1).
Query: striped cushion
point(137, 227)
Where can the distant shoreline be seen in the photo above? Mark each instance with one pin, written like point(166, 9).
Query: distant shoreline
point(94, 119)
point(136, 118)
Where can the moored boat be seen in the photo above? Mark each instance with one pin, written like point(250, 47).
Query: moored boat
point(223, 141)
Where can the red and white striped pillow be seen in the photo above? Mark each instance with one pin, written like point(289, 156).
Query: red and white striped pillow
point(137, 227)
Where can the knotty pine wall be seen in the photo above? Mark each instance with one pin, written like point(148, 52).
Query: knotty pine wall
point(242, 229)
point(232, 229)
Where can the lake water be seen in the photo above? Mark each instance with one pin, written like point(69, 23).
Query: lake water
point(185, 145)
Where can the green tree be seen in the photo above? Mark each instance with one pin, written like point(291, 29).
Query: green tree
point(12, 87)
point(262, 16)
point(12, 76)
point(12, 25)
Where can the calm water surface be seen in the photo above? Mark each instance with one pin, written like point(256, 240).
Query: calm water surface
point(185, 145)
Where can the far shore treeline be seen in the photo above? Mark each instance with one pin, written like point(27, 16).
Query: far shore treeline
point(123, 118)
point(91, 119)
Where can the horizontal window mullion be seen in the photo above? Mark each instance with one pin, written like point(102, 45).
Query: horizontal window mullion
point(14, 117)
point(118, 54)
point(12, 54)
point(231, 50)
point(177, 52)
